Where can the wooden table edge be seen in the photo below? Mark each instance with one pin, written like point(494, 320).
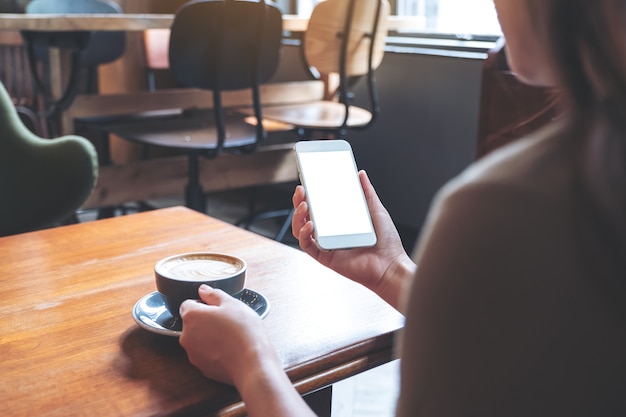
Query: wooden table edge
point(340, 371)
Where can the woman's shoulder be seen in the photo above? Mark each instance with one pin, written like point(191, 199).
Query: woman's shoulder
point(503, 289)
point(506, 201)
point(541, 162)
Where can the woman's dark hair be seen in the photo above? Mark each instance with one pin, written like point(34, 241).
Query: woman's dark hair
point(587, 43)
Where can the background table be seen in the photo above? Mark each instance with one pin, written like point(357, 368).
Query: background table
point(69, 345)
point(143, 21)
point(129, 22)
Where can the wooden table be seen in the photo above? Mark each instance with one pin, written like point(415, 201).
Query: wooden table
point(125, 22)
point(139, 22)
point(70, 347)
point(128, 22)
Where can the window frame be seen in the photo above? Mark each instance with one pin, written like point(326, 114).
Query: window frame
point(295, 6)
point(460, 45)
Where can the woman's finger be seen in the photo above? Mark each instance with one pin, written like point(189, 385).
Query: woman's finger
point(212, 296)
point(299, 195)
point(307, 242)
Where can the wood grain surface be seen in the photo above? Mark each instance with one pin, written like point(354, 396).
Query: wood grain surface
point(70, 347)
point(143, 21)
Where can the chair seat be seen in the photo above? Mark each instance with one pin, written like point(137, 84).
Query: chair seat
point(317, 115)
point(190, 131)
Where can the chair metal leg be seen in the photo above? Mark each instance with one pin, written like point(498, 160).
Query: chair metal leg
point(194, 195)
point(286, 225)
point(247, 221)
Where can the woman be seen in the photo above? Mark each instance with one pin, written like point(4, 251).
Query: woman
point(517, 307)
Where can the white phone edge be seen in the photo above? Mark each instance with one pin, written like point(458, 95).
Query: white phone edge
point(337, 242)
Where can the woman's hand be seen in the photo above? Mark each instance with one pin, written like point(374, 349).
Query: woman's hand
point(226, 340)
point(223, 337)
point(383, 268)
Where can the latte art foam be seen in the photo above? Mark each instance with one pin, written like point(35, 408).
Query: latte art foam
point(202, 270)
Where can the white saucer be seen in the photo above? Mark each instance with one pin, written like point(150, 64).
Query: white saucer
point(151, 314)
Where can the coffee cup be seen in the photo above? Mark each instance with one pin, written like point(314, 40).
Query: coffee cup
point(179, 277)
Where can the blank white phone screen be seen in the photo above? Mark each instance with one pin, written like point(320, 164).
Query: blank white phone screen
point(334, 193)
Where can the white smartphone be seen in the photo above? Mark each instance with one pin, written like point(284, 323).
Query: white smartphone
point(334, 194)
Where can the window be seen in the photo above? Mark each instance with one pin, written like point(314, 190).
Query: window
point(459, 17)
point(462, 18)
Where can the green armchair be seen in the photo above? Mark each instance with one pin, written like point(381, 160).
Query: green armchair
point(42, 181)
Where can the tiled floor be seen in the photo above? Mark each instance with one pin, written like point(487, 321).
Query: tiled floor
point(372, 393)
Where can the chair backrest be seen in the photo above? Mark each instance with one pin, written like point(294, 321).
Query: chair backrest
point(509, 109)
point(225, 44)
point(101, 46)
point(156, 43)
point(347, 37)
point(156, 46)
point(42, 181)
point(365, 22)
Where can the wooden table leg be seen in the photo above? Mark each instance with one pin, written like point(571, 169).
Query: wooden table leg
point(320, 401)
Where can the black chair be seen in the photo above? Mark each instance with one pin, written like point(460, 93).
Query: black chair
point(87, 51)
point(216, 45)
